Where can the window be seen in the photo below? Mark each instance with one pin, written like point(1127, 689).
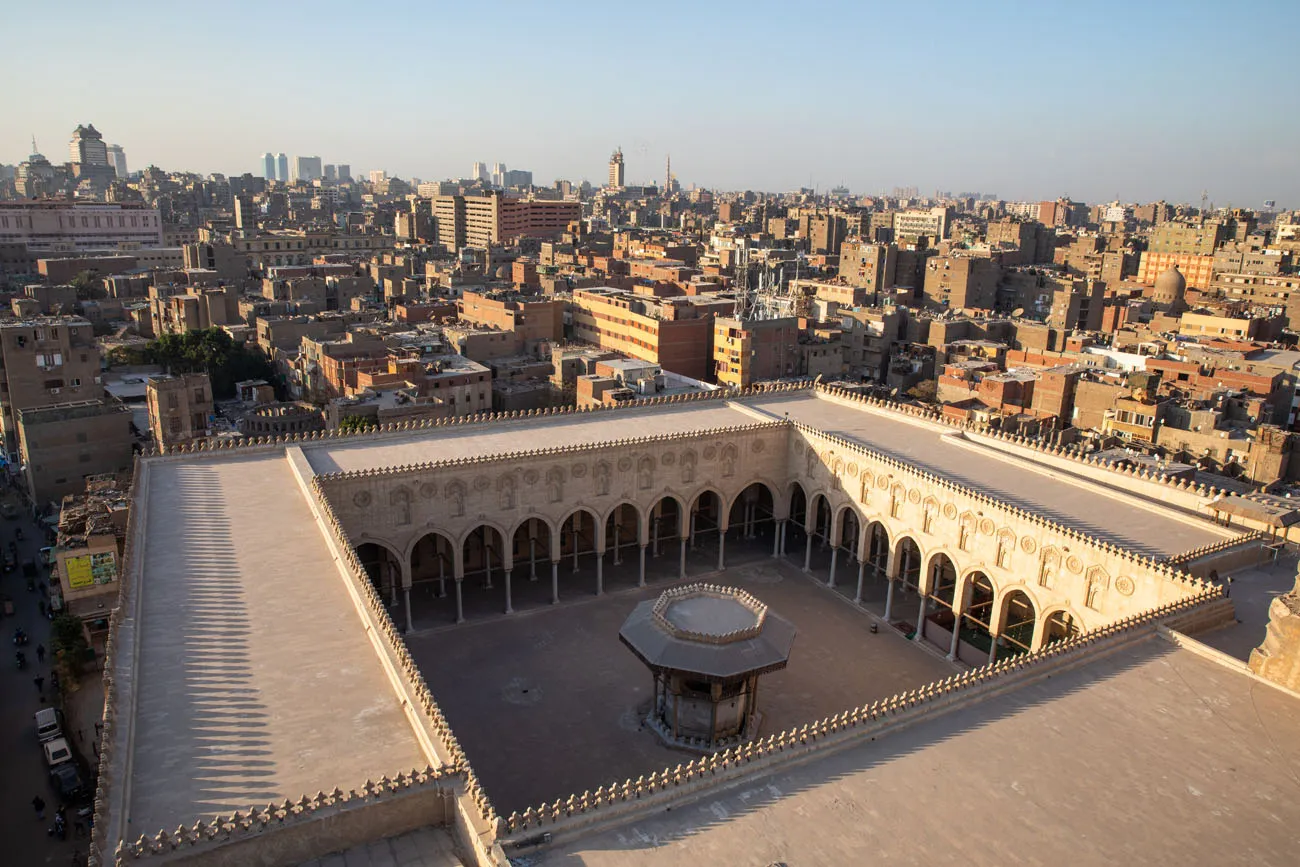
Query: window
point(171, 401)
point(75, 382)
point(198, 395)
point(174, 425)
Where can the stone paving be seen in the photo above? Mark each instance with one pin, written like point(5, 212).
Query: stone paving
point(1151, 755)
point(549, 702)
point(427, 847)
point(256, 680)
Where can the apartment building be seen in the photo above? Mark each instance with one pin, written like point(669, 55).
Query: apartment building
point(262, 250)
point(531, 317)
point(869, 266)
point(480, 221)
point(670, 332)
point(62, 226)
point(63, 444)
point(1198, 269)
point(180, 408)
point(961, 283)
point(750, 351)
point(46, 361)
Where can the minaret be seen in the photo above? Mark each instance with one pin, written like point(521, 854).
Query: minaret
point(668, 175)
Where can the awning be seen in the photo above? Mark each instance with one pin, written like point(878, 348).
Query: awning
point(1272, 513)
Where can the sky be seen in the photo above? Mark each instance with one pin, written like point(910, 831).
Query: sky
point(1136, 100)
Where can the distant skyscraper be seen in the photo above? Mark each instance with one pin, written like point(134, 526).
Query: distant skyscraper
point(331, 173)
point(87, 147)
point(306, 168)
point(268, 166)
point(498, 174)
point(281, 167)
point(378, 176)
point(616, 170)
point(345, 172)
point(117, 159)
point(480, 172)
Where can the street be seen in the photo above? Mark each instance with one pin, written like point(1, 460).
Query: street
point(23, 773)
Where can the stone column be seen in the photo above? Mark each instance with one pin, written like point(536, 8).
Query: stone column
point(617, 514)
point(641, 579)
point(392, 583)
point(835, 556)
point(577, 519)
point(509, 608)
point(487, 562)
point(785, 527)
point(920, 619)
point(460, 604)
point(682, 565)
point(442, 577)
point(807, 554)
point(956, 637)
point(1040, 634)
point(889, 600)
point(722, 548)
point(600, 573)
point(692, 531)
point(406, 593)
point(993, 649)
point(654, 534)
point(532, 558)
point(778, 529)
point(862, 574)
point(555, 582)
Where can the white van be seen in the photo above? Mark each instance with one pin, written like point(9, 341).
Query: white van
point(57, 751)
point(49, 724)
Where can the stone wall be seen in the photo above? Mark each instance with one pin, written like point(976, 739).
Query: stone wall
point(1278, 658)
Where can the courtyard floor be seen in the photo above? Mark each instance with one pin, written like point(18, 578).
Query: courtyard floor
point(547, 702)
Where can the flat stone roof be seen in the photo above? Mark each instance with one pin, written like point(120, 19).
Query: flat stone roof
point(256, 681)
point(1198, 766)
point(1148, 530)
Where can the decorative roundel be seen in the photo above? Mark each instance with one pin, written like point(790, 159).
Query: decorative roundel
point(1028, 545)
point(428, 490)
point(949, 511)
point(710, 452)
point(625, 463)
point(853, 470)
point(882, 482)
point(482, 483)
point(578, 470)
point(986, 526)
point(757, 445)
point(1074, 564)
point(668, 459)
point(1124, 585)
point(530, 477)
point(361, 498)
point(914, 496)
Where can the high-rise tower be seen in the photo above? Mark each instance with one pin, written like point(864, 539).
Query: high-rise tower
point(281, 167)
point(117, 159)
point(616, 169)
point(87, 147)
point(268, 166)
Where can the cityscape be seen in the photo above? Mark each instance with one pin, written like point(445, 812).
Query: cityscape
point(600, 512)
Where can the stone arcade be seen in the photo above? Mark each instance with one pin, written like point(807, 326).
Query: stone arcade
point(276, 579)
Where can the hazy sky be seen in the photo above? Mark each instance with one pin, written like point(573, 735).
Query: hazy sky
point(1136, 99)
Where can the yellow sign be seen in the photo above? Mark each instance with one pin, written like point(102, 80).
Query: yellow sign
point(79, 573)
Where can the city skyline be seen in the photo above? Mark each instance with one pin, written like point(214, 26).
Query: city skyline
point(993, 99)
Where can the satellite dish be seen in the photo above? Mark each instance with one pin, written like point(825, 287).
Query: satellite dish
point(1019, 311)
point(894, 393)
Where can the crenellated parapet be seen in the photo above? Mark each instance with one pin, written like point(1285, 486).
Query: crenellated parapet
point(661, 789)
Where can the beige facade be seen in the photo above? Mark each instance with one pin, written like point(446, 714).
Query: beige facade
point(46, 361)
point(180, 408)
point(62, 445)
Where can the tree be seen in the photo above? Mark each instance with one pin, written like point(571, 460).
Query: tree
point(70, 649)
point(89, 287)
point(212, 351)
point(357, 423)
point(924, 390)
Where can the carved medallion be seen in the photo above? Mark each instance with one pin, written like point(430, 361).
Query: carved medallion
point(1074, 564)
point(1124, 585)
point(361, 498)
point(710, 452)
point(482, 483)
point(853, 469)
point(986, 526)
point(668, 459)
point(914, 496)
point(1028, 545)
point(882, 482)
point(579, 470)
point(530, 477)
point(625, 463)
point(756, 446)
point(428, 490)
point(949, 511)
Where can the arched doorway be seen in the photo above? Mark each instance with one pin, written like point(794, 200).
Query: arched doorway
point(976, 639)
point(665, 535)
point(580, 544)
point(845, 538)
point(1060, 626)
point(481, 587)
point(626, 566)
point(433, 573)
point(796, 530)
point(383, 568)
point(706, 527)
point(530, 584)
point(751, 524)
point(940, 581)
point(1018, 620)
point(872, 580)
point(906, 579)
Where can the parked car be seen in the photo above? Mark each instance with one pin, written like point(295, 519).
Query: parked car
point(9, 510)
point(57, 751)
point(68, 783)
point(49, 724)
